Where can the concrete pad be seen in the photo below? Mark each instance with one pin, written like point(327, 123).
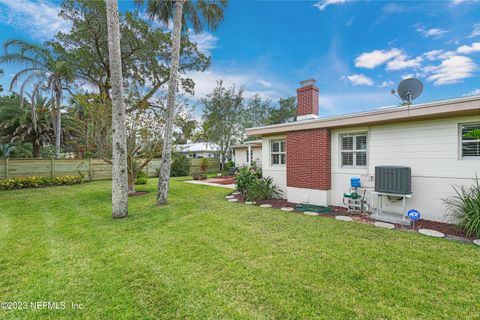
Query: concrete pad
point(384, 225)
point(232, 200)
point(344, 218)
point(229, 197)
point(477, 242)
point(310, 213)
point(287, 209)
point(431, 233)
point(250, 202)
point(266, 205)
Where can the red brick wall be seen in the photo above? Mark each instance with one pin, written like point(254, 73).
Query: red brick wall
point(307, 100)
point(308, 159)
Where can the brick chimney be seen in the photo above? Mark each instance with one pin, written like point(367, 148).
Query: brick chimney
point(307, 97)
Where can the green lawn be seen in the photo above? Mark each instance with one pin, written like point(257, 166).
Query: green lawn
point(202, 257)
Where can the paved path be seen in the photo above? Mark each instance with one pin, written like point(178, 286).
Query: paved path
point(228, 186)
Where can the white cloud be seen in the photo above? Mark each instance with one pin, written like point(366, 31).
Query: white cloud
point(451, 70)
point(205, 40)
point(40, 19)
point(359, 80)
point(401, 62)
point(322, 5)
point(433, 54)
point(430, 33)
point(388, 83)
point(475, 92)
point(457, 2)
point(475, 31)
point(475, 47)
point(375, 58)
point(206, 81)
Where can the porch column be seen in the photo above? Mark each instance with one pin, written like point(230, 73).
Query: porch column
point(249, 157)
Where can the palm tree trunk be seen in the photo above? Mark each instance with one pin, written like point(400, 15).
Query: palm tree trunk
point(119, 130)
point(58, 120)
point(164, 176)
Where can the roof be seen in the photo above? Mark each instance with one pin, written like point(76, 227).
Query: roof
point(466, 106)
point(255, 143)
point(197, 147)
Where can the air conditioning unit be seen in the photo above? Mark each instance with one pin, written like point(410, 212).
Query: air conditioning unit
point(393, 179)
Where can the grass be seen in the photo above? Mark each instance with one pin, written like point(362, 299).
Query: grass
point(201, 257)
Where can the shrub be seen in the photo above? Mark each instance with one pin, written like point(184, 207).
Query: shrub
point(180, 166)
point(245, 177)
point(464, 208)
point(262, 189)
point(67, 180)
point(204, 165)
point(228, 165)
point(37, 182)
point(141, 178)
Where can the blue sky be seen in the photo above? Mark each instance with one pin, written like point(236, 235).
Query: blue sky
point(356, 50)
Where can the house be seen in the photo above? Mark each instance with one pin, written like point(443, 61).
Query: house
point(199, 150)
point(313, 159)
point(247, 153)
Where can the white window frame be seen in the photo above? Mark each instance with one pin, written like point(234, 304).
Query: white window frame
point(354, 149)
point(280, 152)
point(461, 140)
point(249, 156)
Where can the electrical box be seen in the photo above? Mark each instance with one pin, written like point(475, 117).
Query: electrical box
point(393, 179)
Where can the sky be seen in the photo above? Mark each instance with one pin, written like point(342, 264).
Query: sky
point(356, 50)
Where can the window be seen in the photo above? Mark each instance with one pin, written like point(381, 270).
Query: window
point(249, 156)
point(470, 145)
point(354, 149)
point(278, 152)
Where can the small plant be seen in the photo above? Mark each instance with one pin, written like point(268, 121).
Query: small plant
point(262, 189)
point(245, 177)
point(141, 178)
point(464, 208)
point(180, 165)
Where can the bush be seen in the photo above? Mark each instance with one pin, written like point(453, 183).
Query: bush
point(141, 178)
point(37, 182)
point(245, 177)
point(262, 189)
point(464, 208)
point(228, 165)
point(180, 166)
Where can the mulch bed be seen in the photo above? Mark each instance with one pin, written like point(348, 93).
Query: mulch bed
point(447, 229)
point(221, 180)
point(138, 193)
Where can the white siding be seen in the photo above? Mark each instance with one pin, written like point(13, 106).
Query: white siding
point(277, 172)
point(429, 148)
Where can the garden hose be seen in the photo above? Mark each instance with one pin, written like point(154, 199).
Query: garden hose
point(312, 208)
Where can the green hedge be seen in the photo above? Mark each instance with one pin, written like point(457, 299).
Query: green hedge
point(37, 182)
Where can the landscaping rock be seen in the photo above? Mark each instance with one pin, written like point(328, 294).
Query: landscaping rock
point(236, 193)
point(229, 197)
point(344, 218)
point(250, 202)
point(310, 213)
point(287, 209)
point(232, 200)
point(431, 233)
point(266, 205)
point(384, 225)
point(477, 242)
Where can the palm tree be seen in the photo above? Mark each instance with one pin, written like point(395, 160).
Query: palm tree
point(31, 123)
point(119, 128)
point(44, 70)
point(184, 14)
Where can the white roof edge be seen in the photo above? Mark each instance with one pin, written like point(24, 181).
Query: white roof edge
point(386, 110)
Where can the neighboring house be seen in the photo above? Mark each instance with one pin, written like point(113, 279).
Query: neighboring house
point(199, 150)
point(247, 153)
point(313, 159)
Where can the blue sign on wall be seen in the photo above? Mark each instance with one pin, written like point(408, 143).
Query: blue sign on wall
point(413, 214)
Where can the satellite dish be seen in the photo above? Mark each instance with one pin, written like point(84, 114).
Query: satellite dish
point(409, 89)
